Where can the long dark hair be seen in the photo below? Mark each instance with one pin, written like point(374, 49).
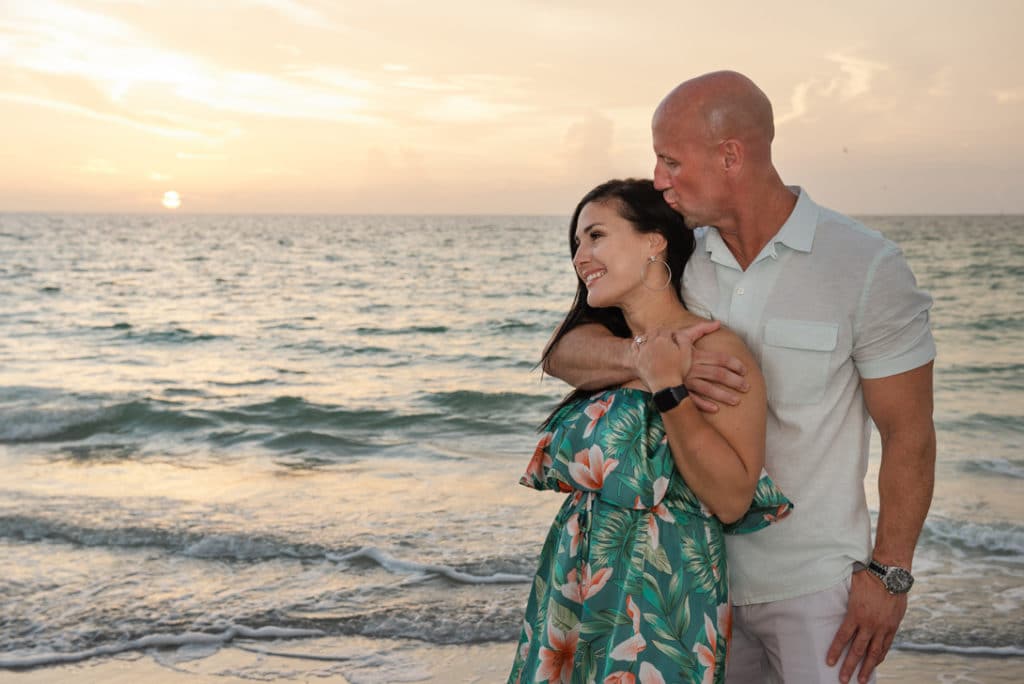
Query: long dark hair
point(638, 202)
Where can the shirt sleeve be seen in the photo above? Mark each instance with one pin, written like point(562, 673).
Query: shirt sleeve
point(892, 333)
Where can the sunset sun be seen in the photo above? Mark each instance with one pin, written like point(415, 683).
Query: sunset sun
point(172, 200)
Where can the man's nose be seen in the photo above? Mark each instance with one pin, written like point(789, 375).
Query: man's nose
point(660, 177)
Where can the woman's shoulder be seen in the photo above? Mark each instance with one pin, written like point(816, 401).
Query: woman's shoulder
point(724, 340)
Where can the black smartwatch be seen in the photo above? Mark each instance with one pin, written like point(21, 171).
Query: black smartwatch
point(670, 397)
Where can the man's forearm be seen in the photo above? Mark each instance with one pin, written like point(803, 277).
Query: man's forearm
point(590, 357)
point(906, 479)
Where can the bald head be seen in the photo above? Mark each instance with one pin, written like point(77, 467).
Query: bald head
point(724, 104)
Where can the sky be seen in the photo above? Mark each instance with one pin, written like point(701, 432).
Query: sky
point(464, 107)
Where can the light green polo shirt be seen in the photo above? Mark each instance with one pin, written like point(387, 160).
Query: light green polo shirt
point(826, 303)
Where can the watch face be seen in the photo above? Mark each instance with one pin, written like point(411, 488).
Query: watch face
point(898, 581)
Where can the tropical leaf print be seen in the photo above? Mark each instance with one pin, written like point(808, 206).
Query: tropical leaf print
point(631, 582)
point(625, 436)
point(618, 531)
point(698, 561)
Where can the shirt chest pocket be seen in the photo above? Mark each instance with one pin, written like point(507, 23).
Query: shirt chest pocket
point(796, 359)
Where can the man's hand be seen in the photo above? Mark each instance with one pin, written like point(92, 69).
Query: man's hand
point(714, 377)
point(872, 618)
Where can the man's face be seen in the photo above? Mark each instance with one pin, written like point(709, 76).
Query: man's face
point(685, 168)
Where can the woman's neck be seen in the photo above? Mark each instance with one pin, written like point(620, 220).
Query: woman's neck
point(659, 311)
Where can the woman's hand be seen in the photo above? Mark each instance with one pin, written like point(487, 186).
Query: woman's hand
point(663, 359)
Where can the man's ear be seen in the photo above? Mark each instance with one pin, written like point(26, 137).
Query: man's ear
point(732, 155)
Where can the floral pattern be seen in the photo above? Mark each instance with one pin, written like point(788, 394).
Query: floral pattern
point(632, 580)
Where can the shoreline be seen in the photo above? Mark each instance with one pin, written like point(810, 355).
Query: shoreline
point(359, 660)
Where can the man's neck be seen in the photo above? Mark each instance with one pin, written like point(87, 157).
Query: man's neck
point(756, 219)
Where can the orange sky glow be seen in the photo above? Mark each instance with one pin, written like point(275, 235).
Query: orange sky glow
point(318, 106)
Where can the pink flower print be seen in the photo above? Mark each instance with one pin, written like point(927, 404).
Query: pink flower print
point(620, 678)
point(660, 488)
point(573, 525)
point(541, 461)
point(595, 410)
point(650, 674)
point(710, 537)
point(633, 612)
point(725, 620)
point(652, 532)
point(629, 649)
point(780, 513)
point(580, 589)
point(659, 510)
point(590, 468)
point(706, 654)
point(556, 662)
point(525, 648)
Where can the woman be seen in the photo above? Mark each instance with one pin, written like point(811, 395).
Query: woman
point(632, 583)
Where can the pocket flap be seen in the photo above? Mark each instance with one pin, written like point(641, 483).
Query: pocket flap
point(810, 335)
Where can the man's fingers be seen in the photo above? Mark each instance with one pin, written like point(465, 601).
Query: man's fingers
point(706, 357)
point(703, 404)
point(712, 391)
point(856, 653)
point(877, 652)
point(875, 655)
point(842, 637)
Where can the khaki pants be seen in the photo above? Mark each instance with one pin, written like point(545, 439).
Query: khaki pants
point(785, 642)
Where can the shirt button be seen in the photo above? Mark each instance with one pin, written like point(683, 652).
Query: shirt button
point(739, 290)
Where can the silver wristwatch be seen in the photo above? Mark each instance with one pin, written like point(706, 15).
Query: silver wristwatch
point(896, 580)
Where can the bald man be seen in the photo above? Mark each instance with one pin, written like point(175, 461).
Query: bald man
point(834, 317)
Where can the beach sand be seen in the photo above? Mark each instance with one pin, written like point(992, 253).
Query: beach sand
point(419, 662)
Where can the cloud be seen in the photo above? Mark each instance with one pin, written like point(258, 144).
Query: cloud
point(78, 110)
point(102, 167)
point(797, 102)
point(588, 145)
point(941, 83)
point(1008, 95)
point(297, 12)
point(201, 156)
point(854, 80)
point(56, 39)
point(858, 75)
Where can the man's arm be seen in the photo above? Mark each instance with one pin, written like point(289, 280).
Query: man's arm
point(591, 357)
point(901, 407)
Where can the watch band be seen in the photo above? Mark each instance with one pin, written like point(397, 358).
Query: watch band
point(895, 579)
point(670, 397)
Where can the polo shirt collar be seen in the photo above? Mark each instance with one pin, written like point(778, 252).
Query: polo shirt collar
point(797, 233)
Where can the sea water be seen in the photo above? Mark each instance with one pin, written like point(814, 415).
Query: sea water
point(253, 429)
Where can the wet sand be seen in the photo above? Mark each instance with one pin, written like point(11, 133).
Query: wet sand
point(427, 664)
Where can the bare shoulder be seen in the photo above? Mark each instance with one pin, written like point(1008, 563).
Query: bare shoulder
point(725, 341)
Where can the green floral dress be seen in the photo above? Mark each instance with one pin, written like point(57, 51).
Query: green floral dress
point(632, 581)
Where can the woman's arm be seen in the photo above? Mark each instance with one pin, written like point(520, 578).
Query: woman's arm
point(590, 357)
point(720, 455)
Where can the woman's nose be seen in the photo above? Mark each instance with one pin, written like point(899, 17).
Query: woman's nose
point(580, 258)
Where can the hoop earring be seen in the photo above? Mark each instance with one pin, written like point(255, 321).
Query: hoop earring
point(643, 273)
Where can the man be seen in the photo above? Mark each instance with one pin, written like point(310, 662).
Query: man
point(832, 313)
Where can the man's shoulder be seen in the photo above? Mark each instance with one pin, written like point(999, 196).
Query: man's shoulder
point(844, 238)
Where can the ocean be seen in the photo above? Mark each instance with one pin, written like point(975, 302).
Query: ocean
point(258, 432)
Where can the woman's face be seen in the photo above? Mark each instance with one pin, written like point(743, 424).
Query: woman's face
point(610, 255)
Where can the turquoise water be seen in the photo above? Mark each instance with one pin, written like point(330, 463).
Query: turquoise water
point(278, 427)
